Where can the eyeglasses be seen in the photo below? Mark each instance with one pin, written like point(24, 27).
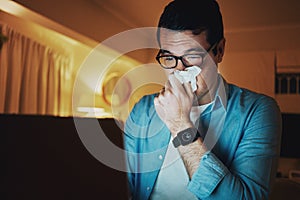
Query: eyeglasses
point(171, 61)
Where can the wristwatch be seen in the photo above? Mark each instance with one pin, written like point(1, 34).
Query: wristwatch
point(186, 137)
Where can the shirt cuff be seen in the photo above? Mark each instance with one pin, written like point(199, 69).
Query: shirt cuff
point(208, 175)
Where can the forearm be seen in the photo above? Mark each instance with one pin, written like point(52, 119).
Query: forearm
point(191, 155)
point(213, 180)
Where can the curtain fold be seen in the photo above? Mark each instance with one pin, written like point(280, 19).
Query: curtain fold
point(33, 77)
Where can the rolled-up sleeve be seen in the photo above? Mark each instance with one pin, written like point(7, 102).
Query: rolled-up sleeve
point(208, 176)
point(250, 173)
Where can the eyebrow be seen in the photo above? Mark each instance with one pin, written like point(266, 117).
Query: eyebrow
point(198, 49)
point(165, 51)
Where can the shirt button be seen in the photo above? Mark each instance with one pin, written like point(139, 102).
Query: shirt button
point(160, 157)
point(148, 188)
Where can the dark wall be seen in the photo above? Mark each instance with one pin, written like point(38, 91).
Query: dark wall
point(290, 139)
point(42, 157)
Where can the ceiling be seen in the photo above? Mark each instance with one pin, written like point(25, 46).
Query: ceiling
point(256, 25)
point(237, 14)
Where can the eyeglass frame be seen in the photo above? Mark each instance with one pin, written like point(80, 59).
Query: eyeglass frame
point(158, 56)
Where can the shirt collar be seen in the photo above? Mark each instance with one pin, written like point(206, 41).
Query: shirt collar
point(221, 94)
point(220, 98)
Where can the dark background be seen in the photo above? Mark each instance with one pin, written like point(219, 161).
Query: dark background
point(290, 138)
point(42, 157)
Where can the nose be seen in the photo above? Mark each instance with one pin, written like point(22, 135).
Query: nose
point(180, 66)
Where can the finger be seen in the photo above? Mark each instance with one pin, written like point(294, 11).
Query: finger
point(177, 87)
point(162, 90)
point(159, 108)
point(174, 82)
point(157, 101)
point(161, 97)
point(188, 89)
point(168, 85)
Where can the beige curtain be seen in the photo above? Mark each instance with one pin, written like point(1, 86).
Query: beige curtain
point(34, 79)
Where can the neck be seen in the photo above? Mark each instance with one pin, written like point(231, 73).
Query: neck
point(203, 99)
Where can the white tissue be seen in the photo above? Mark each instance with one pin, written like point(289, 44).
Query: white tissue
point(189, 75)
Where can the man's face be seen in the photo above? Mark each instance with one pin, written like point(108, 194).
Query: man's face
point(180, 43)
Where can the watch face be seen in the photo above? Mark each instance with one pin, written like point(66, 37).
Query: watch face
point(186, 136)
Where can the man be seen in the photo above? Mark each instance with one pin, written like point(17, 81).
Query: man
point(211, 140)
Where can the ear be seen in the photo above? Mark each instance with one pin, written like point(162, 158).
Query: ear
point(220, 50)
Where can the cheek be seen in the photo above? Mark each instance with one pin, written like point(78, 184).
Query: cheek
point(202, 86)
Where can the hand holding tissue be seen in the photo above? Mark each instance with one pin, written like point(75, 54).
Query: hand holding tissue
point(189, 75)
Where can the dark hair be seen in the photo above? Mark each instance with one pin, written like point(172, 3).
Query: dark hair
point(193, 15)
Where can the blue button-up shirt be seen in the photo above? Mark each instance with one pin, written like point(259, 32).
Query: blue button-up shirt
point(240, 165)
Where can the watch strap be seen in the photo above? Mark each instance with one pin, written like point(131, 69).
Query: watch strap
point(186, 137)
point(176, 142)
